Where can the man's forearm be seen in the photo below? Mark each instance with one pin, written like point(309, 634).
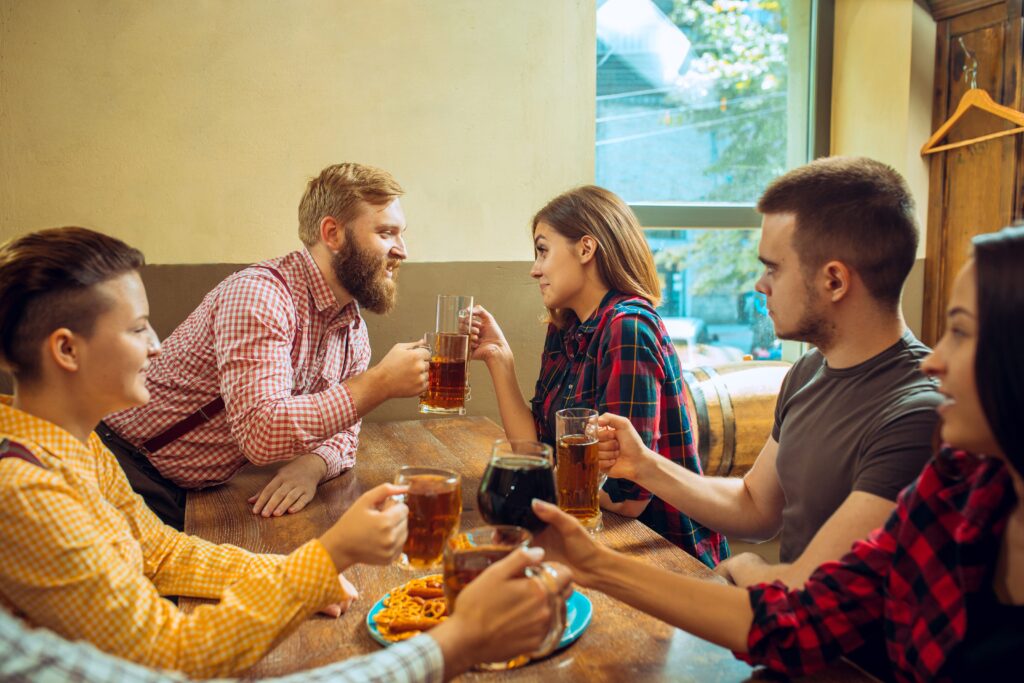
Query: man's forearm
point(367, 390)
point(720, 503)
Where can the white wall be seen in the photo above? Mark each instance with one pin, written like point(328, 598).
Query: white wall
point(189, 128)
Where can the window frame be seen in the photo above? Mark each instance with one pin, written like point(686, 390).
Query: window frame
point(681, 215)
point(655, 216)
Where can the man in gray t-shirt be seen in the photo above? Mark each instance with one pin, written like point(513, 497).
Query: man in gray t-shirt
point(864, 428)
point(855, 418)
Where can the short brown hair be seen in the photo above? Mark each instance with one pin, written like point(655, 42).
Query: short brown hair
point(47, 281)
point(855, 210)
point(337, 191)
point(624, 261)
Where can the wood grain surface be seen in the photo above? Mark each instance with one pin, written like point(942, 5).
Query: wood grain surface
point(621, 643)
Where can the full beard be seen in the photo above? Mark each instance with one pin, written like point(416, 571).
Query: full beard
point(364, 276)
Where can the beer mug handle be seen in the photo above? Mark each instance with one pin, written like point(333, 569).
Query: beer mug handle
point(591, 430)
point(545, 574)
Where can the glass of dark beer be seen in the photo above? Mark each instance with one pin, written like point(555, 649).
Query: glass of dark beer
point(435, 507)
point(469, 553)
point(577, 466)
point(518, 472)
point(448, 388)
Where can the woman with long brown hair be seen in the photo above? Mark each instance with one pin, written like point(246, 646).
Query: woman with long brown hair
point(606, 349)
point(938, 592)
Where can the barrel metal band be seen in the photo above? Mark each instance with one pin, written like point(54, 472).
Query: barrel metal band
point(728, 419)
point(700, 407)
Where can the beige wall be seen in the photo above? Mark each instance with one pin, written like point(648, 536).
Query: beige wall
point(189, 128)
point(882, 77)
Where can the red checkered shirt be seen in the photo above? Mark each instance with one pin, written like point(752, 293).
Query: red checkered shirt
point(278, 355)
point(905, 588)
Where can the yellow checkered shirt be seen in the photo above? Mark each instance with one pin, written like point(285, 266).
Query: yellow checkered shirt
point(82, 555)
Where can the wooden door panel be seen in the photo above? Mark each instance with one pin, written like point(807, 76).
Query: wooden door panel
point(974, 189)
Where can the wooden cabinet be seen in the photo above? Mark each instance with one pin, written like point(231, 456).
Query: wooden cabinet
point(977, 188)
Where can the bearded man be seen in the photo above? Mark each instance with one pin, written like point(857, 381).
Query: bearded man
point(274, 363)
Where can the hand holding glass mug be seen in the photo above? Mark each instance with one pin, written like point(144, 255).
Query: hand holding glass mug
point(434, 499)
point(622, 452)
point(577, 466)
point(502, 612)
point(486, 340)
point(371, 531)
point(469, 554)
point(448, 380)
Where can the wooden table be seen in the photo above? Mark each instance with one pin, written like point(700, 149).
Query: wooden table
point(620, 644)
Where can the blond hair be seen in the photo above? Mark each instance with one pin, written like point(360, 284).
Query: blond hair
point(337, 192)
point(624, 261)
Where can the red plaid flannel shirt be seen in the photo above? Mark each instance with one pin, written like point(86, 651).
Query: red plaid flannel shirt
point(621, 360)
point(278, 355)
point(907, 584)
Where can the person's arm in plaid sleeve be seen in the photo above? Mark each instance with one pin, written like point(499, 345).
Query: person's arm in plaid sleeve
point(294, 485)
point(502, 613)
point(630, 376)
point(795, 632)
point(64, 575)
point(254, 328)
point(39, 656)
point(176, 563)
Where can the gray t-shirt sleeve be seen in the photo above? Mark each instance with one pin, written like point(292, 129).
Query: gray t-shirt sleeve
point(895, 456)
point(796, 378)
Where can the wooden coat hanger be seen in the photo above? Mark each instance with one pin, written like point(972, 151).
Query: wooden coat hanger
point(978, 99)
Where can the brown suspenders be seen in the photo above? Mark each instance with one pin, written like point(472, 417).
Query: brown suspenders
point(203, 414)
point(12, 449)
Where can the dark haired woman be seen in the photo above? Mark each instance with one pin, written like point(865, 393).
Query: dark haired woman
point(940, 588)
point(79, 552)
point(606, 349)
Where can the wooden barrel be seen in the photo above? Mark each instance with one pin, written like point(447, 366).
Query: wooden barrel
point(732, 409)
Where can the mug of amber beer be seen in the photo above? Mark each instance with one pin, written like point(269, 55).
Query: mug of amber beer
point(448, 388)
point(469, 553)
point(434, 500)
point(577, 466)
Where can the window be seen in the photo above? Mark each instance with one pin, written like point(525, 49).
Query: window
point(700, 103)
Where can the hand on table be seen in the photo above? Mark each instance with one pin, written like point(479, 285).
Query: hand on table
point(622, 452)
point(742, 569)
point(336, 609)
point(372, 530)
point(292, 487)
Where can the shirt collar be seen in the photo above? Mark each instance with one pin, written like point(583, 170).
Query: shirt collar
point(323, 298)
point(978, 486)
point(590, 325)
point(22, 426)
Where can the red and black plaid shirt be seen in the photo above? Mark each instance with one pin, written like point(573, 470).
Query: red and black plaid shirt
point(621, 360)
point(906, 585)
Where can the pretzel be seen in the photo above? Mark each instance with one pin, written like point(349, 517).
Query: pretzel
point(412, 608)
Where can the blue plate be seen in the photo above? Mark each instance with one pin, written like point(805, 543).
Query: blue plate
point(578, 613)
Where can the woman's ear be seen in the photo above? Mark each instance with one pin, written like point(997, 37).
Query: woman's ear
point(62, 348)
point(586, 248)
